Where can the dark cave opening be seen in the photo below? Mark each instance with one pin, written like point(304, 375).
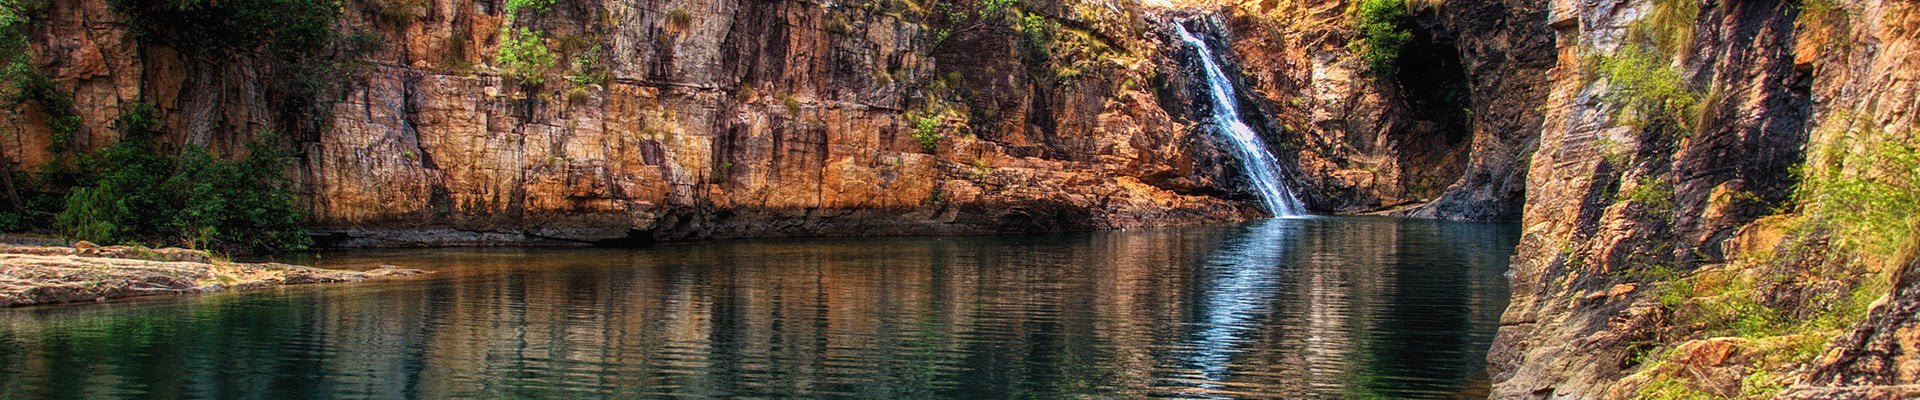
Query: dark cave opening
point(1434, 84)
point(1437, 110)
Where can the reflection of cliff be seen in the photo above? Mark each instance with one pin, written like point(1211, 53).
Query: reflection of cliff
point(1276, 308)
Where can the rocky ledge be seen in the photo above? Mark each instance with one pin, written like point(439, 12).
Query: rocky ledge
point(33, 275)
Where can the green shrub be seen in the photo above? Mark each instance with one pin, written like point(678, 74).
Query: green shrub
point(130, 192)
point(11, 221)
point(287, 28)
point(1864, 187)
point(524, 55)
point(981, 170)
point(1036, 30)
point(932, 123)
point(587, 68)
point(90, 215)
point(1647, 91)
point(1382, 34)
point(20, 83)
point(235, 202)
point(1614, 152)
point(537, 6)
point(1651, 194)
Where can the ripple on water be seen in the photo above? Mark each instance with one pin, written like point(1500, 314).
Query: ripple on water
point(1295, 308)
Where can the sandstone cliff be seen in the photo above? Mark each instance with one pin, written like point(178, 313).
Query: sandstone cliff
point(1719, 194)
point(680, 120)
point(701, 119)
point(1449, 133)
point(1716, 194)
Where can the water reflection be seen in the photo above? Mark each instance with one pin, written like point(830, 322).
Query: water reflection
point(1297, 308)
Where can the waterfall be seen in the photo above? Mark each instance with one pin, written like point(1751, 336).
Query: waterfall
point(1254, 157)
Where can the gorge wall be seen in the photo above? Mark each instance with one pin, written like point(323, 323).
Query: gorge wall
point(1720, 205)
point(1716, 195)
point(673, 120)
point(668, 120)
point(1448, 133)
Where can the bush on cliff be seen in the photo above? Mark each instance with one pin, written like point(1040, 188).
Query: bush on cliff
point(524, 55)
point(132, 192)
point(1382, 33)
point(21, 84)
point(285, 28)
point(932, 123)
point(1864, 186)
point(1648, 92)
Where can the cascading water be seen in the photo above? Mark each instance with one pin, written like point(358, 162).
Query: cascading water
point(1254, 157)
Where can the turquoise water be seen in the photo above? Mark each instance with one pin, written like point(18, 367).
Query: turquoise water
point(1291, 308)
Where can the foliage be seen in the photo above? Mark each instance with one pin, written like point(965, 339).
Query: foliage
point(994, 8)
point(1382, 34)
point(1733, 302)
point(20, 83)
point(932, 122)
point(524, 55)
point(399, 12)
point(791, 104)
point(1864, 186)
point(1036, 30)
point(285, 28)
point(1819, 11)
point(1826, 26)
point(1648, 91)
point(1614, 152)
point(588, 70)
point(523, 52)
point(131, 192)
point(1668, 27)
point(926, 130)
point(295, 35)
point(1652, 195)
point(981, 170)
point(537, 6)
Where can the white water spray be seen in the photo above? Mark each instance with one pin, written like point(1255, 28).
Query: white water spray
point(1254, 157)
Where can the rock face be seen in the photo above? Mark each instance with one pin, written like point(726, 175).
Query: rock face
point(1628, 221)
point(719, 118)
point(709, 119)
point(1450, 131)
point(1654, 142)
point(1506, 51)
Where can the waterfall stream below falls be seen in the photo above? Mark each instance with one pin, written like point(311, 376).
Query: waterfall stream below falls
point(1258, 163)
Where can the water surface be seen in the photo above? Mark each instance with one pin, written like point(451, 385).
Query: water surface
point(1291, 308)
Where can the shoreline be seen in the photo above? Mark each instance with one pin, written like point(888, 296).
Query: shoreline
point(33, 275)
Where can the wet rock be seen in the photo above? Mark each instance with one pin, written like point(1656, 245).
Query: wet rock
point(32, 275)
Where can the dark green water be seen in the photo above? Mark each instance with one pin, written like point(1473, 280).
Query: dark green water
point(1300, 308)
